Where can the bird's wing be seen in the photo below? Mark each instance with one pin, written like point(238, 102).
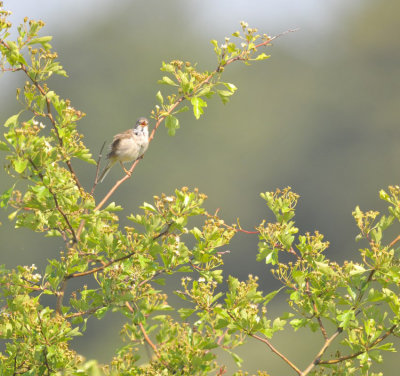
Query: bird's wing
point(117, 139)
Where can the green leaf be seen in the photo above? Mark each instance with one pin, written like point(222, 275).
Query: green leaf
point(230, 87)
point(4, 146)
point(167, 68)
point(270, 296)
point(166, 80)
point(206, 91)
point(185, 312)
point(238, 360)
point(149, 207)
point(5, 197)
point(160, 97)
point(224, 95)
point(198, 105)
point(262, 56)
point(12, 120)
point(20, 165)
point(43, 41)
point(346, 318)
point(183, 109)
point(172, 124)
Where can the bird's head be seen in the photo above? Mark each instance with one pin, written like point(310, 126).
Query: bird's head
point(142, 123)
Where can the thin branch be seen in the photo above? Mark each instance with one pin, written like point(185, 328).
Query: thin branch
point(272, 348)
point(317, 359)
point(60, 296)
point(105, 265)
point(275, 351)
point(339, 330)
point(82, 224)
point(146, 337)
point(316, 313)
point(394, 241)
point(83, 313)
point(49, 370)
point(370, 346)
point(221, 371)
point(98, 167)
point(71, 229)
point(163, 232)
point(247, 232)
point(321, 326)
point(95, 270)
point(157, 273)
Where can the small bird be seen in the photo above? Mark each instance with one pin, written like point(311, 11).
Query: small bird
point(128, 146)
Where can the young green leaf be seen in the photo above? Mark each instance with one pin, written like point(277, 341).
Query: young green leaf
point(172, 124)
point(160, 97)
point(166, 80)
point(198, 105)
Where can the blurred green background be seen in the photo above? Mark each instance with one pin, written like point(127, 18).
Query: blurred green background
point(321, 116)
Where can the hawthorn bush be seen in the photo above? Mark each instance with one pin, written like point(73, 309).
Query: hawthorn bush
point(358, 303)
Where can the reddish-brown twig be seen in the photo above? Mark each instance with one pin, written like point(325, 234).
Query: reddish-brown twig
point(145, 336)
point(277, 352)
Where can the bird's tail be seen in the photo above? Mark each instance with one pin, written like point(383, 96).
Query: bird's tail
point(105, 171)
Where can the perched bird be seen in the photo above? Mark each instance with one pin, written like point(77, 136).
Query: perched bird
point(128, 146)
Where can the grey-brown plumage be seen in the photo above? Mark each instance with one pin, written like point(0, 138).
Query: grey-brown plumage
point(128, 146)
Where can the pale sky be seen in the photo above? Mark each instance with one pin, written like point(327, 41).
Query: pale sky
point(312, 17)
point(285, 13)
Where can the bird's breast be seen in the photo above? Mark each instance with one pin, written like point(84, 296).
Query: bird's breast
point(127, 150)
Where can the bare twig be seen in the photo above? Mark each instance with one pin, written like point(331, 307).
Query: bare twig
point(82, 224)
point(88, 312)
point(145, 336)
point(317, 359)
point(60, 296)
point(394, 241)
point(275, 351)
point(98, 167)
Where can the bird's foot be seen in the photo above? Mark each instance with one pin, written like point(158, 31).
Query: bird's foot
point(127, 172)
